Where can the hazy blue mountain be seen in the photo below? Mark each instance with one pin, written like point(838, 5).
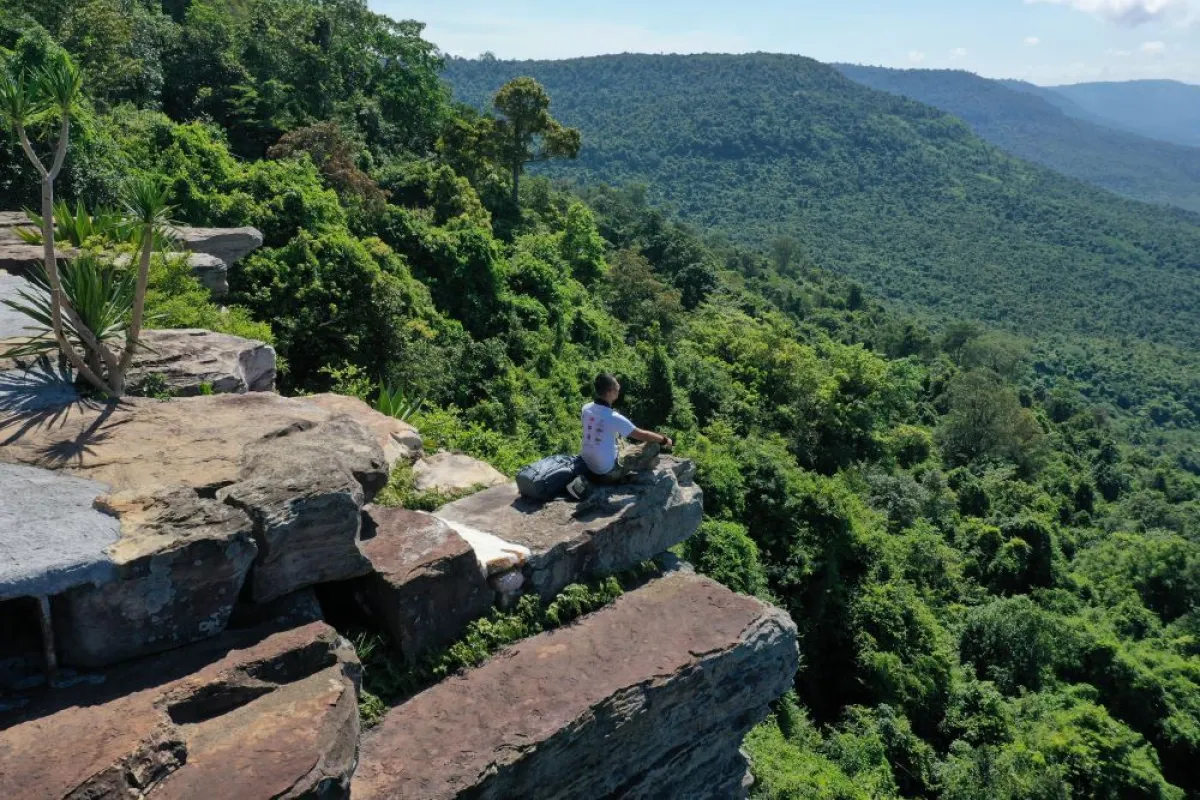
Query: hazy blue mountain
point(1043, 126)
point(1167, 110)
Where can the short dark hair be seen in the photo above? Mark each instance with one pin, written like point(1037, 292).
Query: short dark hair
point(605, 383)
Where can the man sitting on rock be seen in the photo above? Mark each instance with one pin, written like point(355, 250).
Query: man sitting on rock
point(603, 428)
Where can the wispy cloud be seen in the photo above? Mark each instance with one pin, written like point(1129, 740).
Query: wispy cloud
point(1032, 41)
point(1154, 48)
point(916, 57)
point(1130, 13)
point(958, 52)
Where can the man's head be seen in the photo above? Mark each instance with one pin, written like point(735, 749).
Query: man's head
point(607, 388)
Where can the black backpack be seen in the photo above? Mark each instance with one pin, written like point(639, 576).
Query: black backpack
point(546, 479)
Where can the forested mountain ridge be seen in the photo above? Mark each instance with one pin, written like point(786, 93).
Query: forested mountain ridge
point(992, 558)
point(1166, 110)
point(1030, 126)
point(891, 192)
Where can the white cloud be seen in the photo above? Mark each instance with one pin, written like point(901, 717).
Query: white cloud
point(1153, 47)
point(1128, 12)
point(958, 52)
point(916, 57)
point(1032, 41)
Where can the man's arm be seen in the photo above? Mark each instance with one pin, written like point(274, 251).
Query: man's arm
point(651, 436)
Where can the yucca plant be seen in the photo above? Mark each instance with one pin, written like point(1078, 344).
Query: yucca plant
point(147, 209)
point(51, 97)
point(84, 305)
point(101, 294)
point(395, 403)
point(78, 227)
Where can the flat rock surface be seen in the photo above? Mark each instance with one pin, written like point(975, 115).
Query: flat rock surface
point(141, 444)
point(454, 472)
point(400, 441)
point(51, 536)
point(17, 257)
point(639, 699)
point(12, 323)
point(614, 529)
point(11, 219)
point(188, 359)
point(227, 244)
point(249, 715)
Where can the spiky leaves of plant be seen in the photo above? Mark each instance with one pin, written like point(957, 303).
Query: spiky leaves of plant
point(147, 208)
point(104, 226)
point(393, 402)
point(100, 293)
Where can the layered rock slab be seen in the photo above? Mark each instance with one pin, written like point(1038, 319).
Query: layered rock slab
point(616, 528)
point(51, 536)
point(176, 573)
point(229, 245)
point(189, 359)
point(253, 714)
point(649, 697)
point(305, 489)
point(426, 584)
point(143, 444)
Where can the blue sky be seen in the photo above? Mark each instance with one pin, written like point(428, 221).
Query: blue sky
point(1044, 41)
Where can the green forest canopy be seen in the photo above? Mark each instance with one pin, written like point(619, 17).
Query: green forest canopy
point(893, 193)
point(991, 546)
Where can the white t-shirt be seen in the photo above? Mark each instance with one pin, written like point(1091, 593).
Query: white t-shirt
point(601, 428)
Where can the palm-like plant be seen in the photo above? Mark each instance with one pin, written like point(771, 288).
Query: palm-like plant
point(146, 207)
point(53, 95)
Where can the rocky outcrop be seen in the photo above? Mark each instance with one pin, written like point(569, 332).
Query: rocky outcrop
point(17, 257)
point(211, 250)
point(399, 440)
point(177, 571)
point(225, 475)
point(647, 698)
point(616, 528)
point(51, 536)
point(190, 359)
point(305, 490)
point(229, 245)
point(142, 444)
point(13, 219)
point(252, 714)
point(425, 583)
point(210, 271)
point(452, 473)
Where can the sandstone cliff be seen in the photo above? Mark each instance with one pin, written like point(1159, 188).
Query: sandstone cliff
point(159, 559)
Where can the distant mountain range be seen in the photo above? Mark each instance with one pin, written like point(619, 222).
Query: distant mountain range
point(1051, 127)
point(1167, 110)
point(899, 195)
